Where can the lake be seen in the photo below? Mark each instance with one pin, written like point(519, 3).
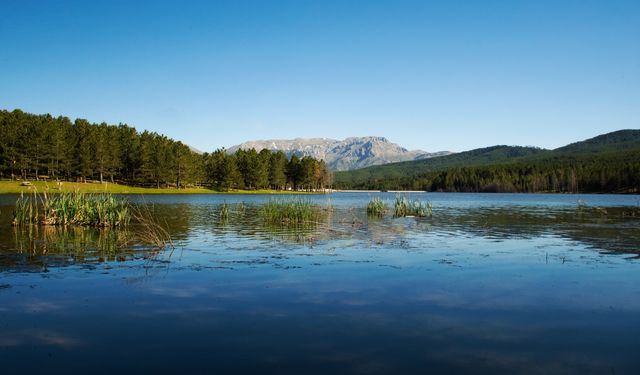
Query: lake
point(491, 284)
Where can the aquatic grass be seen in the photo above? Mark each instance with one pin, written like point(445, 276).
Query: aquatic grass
point(224, 212)
point(403, 206)
point(149, 230)
point(71, 208)
point(291, 212)
point(377, 207)
point(89, 210)
point(22, 212)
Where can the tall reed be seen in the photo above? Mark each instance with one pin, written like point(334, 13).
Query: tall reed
point(71, 208)
point(377, 207)
point(290, 212)
point(403, 206)
point(224, 212)
point(94, 210)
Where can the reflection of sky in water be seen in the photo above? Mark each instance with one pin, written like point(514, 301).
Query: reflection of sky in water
point(458, 293)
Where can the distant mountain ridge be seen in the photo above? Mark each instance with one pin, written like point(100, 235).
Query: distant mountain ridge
point(342, 155)
point(623, 146)
point(614, 141)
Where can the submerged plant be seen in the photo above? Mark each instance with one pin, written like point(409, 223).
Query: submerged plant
point(403, 206)
point(290, 211)
point(377, 207)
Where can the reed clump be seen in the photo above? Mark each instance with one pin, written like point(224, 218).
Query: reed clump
point(71, 208)
point(403, 206)
point(291, 212)
point(377, 207)
point(224, 212)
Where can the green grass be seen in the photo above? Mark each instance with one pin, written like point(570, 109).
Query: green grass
point(71, 208)
point(14, 187)
point(291, 212)
point(104, 210)
point(403, 206)
point(224, 212)
point(377, 207)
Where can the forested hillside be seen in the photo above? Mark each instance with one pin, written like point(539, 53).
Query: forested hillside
point(607, 163)
point(56, 148)
point(393, 171)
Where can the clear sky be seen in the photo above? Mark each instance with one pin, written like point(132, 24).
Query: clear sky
point(433, 75)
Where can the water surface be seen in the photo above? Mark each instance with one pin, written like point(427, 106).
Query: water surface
point(493, 283)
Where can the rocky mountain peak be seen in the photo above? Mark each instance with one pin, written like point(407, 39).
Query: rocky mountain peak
point(350, 153)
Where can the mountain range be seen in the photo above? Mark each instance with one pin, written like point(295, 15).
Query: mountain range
point(342, 155)
point(608, 157)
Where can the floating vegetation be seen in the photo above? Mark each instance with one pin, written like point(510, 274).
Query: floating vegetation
point(96, 210)
point(377, 207)
point(291, 212)
point(403, 206)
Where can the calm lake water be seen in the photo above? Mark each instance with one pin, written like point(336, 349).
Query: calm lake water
point(492, 284)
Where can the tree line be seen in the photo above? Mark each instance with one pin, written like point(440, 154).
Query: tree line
point(610, 173)
point(249, 169)
point(56, 148)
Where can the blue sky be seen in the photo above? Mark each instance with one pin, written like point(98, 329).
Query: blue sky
point(434, 75)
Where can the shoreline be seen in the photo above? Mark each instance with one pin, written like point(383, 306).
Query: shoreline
point(15, 187)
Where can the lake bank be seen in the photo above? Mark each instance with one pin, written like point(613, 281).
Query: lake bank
point(15, 187)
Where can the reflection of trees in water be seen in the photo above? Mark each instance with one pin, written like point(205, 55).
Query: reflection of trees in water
point(177, 218)
point(82, 242)
point(334, 224)
point(613, 229)
point(246, 220)
point(39, 247)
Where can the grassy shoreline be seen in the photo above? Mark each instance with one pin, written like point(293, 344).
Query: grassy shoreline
point(14, 187)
